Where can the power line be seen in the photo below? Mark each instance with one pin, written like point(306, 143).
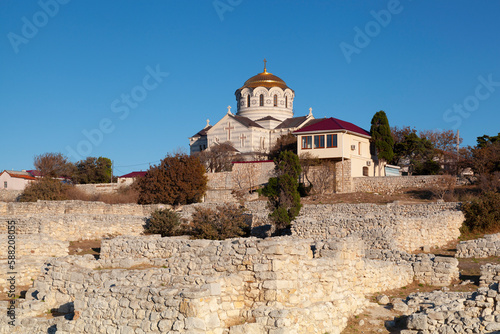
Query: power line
point(145, 163)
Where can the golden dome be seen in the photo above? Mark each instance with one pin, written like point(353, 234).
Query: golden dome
point(265, 79)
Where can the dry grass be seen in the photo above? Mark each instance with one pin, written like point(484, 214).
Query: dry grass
point(124, 195)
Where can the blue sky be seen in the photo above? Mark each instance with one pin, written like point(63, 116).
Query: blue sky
point(68, 67)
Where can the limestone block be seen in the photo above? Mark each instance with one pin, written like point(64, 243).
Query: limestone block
point(248, 328)
point(417, 321)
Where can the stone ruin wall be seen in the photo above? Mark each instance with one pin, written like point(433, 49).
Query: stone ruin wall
point(391, 226)
point(9, 195)
point(266, 283)
point(479, 248)
point(267, 286)
point(45, 229)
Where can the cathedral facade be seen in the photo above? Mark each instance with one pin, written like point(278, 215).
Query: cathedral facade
point(264, 113)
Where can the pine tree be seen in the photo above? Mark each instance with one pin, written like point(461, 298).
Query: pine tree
point(382, 140)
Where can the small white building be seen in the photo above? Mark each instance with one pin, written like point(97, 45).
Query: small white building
point(15, 180)
point(128, 179)
point(338, 140)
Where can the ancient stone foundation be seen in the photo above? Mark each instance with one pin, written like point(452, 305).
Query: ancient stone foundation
point(310, 282)
point(403, 227)
point(281, 285)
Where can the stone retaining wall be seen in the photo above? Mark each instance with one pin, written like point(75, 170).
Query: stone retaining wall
point(403, 227)
point(75, 207)
point(390, 185)
point(479, 248)
point(99, 188)
point(9, 195)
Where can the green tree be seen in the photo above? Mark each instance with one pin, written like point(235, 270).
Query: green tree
point(486, 140)
point(178, 179)
point(381, 137)
point(417, 152)
point(165, 222)
point(282, 190)
point(93, 170)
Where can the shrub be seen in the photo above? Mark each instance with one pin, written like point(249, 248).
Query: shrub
point(126, 194)
point(44, 189)
point(482, 214)
point(165, 222)
point(178, 179)
point(227, 221)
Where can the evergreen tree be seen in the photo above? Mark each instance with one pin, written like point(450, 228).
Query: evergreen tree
point(382, 140)
point(283, 190)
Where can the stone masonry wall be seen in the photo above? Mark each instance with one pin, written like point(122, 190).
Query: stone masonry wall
point(281, 285)
point(390, 185)
point(479, 248)
point(393, 226)
point(490, 274)
point(9, 195)
point(99, 188)
point(45, 228)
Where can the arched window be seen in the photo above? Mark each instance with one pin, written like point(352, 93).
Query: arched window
point(275, 100)
point(261, 100)
point(248, 100)
point(286, 101)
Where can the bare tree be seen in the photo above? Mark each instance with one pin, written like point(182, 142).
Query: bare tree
point(307, 162)
point(445, 184)
point(245, 176)
point(323, 177)
point(53, 165)
point(218, 158)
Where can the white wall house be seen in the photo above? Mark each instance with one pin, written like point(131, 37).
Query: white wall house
point(15, 180)
point(337, 140)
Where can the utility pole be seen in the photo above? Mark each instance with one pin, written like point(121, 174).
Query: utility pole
point(458, 149)
point(112, 163)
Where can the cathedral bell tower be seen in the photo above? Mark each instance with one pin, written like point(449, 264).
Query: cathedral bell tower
point(265, 95)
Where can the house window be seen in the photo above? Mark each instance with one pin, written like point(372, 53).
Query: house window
point(365, 171)
point(248, 100)
point(275, 100)
point(261, 101)
point(331, 140)
point(306, 142)
point(359, 148)
point(5, 184)
point(286, 101)
point(319, 141)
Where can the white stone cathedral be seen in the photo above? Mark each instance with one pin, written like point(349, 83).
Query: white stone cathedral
point(265, 112)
